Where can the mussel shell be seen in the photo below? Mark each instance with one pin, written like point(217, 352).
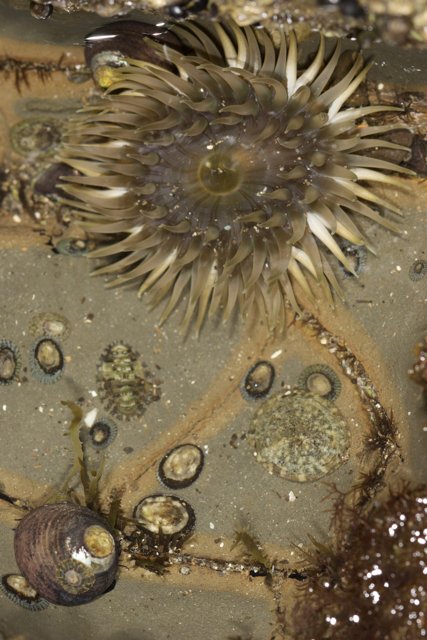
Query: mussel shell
point(126, 38)
point(54, 536)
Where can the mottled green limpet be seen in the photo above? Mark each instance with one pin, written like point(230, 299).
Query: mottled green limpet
point(299, 436)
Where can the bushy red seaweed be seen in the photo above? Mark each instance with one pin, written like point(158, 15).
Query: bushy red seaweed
point(373, 584)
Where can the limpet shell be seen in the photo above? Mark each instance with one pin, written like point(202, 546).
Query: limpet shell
point(165, 515)
point(34, 136)
point(299, 436)
point(320, 380)
point(417, 270)
point(102, 433)
point(259, 380)
point(18, 589)
point(75, 247)
point(75, 577)
point(181, 466)
point(47, 360)
point(50, 324)
point(10, 362)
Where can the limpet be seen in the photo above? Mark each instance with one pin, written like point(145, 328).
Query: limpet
point(47, 360)
point(259, 380)
point(102, 433)
point(50, 324)
point(10, 361)
point(181, 466)
point(17, 589)
point(320, 380)
point(164, 515)
point(299, 436)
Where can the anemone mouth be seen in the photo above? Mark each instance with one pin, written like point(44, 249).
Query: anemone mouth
point(220, 173)
point(225, 178)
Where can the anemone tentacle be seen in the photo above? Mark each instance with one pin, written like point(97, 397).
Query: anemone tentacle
point(224, 179)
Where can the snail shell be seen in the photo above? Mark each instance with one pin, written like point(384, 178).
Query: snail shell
point(67, 553)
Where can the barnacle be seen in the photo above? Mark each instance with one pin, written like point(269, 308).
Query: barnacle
point(223, 173)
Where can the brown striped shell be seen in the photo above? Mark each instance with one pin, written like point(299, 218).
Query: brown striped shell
point(68, 553)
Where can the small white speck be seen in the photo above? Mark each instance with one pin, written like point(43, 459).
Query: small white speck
point(93, 393)
point(211, 525)
point(398, 267)
point(276, 354)
point(40, 409)
point(221, 544)
point(411, 69)
point(185, 571)
point(4, 407)
point(16, 218)
point(291, 497)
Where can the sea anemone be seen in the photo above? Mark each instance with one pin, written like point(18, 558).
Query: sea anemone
point(223, 173)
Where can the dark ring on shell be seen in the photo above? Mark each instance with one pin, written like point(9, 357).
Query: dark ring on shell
point(181, 466)
point(321, 380)
point(102, 433)
point(417, 270)
point(47, 360)
point(258, 381)
point(16, 588)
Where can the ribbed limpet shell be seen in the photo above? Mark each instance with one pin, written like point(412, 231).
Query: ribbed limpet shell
point(102, 433)
point(320, 380)
point(51, 324)
point(34, 136)
point(17, 588)
point(47, 360)
point(299, 436)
